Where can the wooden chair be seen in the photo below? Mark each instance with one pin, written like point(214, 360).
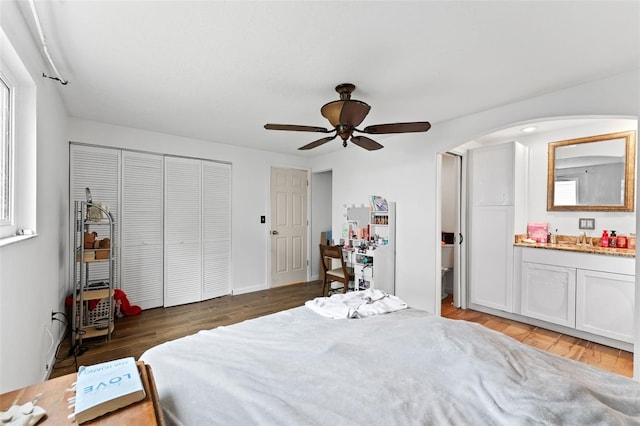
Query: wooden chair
point(343, 274)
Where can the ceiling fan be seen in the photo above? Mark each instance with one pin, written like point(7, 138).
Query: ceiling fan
point(344, 115)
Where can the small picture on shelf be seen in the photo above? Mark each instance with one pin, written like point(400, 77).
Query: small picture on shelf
point(379, 204)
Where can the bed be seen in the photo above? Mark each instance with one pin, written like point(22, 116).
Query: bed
point(407, 367)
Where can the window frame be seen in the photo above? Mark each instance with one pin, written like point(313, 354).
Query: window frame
point(7, 145)
point(24, 172)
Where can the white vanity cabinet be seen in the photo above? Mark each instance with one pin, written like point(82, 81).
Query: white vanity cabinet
point(549, 293)
point(605, 304)
point(589, 292)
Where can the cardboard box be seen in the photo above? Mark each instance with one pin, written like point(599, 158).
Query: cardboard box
point(89, 256)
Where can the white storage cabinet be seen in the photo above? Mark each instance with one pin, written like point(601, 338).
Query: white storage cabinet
point(497, 175)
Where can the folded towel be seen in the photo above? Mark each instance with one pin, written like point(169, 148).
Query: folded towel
point(356, 304)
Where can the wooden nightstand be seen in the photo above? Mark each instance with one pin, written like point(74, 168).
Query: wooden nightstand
point(54, 396)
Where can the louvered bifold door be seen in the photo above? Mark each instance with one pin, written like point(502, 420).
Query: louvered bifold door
point(183, 243)
point(141, 262)
point(97, 169)
point(216, 225)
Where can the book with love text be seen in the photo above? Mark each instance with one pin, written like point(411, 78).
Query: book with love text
point(105, 387)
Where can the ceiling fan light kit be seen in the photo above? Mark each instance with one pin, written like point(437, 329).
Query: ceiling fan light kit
point(345, 115)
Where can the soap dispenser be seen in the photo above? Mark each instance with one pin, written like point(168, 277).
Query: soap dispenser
point(613, 239)
point(604, 240)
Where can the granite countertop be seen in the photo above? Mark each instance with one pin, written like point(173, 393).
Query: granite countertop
point(568, 243)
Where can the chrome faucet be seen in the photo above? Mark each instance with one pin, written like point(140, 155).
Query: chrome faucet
point(582, 240)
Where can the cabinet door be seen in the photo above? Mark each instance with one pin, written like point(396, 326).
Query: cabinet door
point(182, 231)
point(549, 293)
point(491, 257)
point(605, 304)
point(141, 263)
point(216, 229)
point(492, 175)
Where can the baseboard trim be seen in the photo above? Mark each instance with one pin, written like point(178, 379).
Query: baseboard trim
point(251, 289)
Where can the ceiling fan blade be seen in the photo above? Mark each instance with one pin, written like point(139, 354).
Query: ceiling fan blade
point(353, 112)
point(317, 143)
point(366, 143)
point(378, 129)
point(295, 128)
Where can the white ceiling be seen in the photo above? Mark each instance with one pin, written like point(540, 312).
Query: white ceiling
point(220, 70)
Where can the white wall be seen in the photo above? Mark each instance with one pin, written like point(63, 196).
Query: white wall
point(321, 208)
point(33, 273)
point(250, 188)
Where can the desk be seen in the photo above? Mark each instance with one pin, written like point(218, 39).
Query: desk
point(54, 401)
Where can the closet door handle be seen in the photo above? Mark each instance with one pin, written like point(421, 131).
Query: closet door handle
point(274, 232)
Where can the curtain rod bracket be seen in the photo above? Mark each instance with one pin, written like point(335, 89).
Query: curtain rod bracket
point(64, 83)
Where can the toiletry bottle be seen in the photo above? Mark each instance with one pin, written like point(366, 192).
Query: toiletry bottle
point(613, 239)
point(604, 240)
point(631, 243)
point(622, 241)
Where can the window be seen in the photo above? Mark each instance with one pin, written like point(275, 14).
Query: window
point(18, 147)
point(565, 193)
point(6, 153)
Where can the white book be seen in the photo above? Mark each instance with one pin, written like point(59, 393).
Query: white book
point(105, 387)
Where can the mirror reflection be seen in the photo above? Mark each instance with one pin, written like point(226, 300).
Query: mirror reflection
point(594, 173)
point(360, 215)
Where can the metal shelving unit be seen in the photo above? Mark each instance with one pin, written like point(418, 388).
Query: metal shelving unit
point(93, 273)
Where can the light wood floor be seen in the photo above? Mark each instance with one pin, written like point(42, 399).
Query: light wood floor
point(134, 335)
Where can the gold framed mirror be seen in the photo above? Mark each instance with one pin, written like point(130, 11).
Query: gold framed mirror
point(596, 173)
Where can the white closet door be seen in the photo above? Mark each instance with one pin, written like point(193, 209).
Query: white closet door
point(183, 244)
point(97, 169)
point(141, 262)
point(216, 222)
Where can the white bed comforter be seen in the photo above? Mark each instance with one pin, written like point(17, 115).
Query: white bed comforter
point(403, 368)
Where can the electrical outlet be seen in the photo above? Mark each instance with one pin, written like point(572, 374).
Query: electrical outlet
point(586, 223)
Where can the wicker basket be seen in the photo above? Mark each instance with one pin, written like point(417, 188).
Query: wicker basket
point(97, 317)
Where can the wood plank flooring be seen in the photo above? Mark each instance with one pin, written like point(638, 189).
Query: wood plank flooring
point(134, 335)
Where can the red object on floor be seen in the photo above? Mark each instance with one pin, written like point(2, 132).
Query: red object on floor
point(127, 308)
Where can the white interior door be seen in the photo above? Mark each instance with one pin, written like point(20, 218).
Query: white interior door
point(289, 260)
point(183, 244)
point(141, 261)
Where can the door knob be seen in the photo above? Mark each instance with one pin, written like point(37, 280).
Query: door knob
point(274, 232)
